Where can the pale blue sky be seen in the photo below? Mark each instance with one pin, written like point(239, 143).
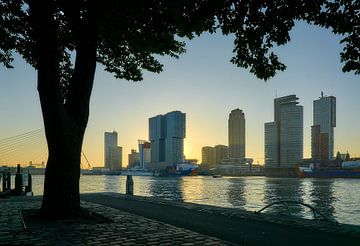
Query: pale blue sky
point(206, 86)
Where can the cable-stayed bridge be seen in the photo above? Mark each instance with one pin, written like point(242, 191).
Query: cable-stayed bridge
point(27, 149)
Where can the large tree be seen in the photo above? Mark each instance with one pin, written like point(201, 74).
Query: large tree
point(65, 39)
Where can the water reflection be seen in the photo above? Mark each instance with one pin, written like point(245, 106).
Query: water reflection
point(278, 189)
point(194, 189)
point(205, 190)
point(169, 188)
point(254, 193)
point(282, 189)
point(322, 196)
point(235, 192)
point(112, 183)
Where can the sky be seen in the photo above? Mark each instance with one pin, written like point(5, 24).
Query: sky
point(203, 84)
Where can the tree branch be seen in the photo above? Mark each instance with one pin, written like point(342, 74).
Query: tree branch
point(77, 103)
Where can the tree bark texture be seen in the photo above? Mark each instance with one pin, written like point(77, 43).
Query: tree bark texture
point(64, 120)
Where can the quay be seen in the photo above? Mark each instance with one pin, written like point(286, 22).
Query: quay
point(136, 220)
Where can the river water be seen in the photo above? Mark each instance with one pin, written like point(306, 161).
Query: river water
point(336, 198)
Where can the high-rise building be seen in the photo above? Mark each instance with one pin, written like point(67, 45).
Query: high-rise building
point(322, 131)
point(116, 162)
point(112, 152)
point(134, 159)
point(236, 132)
point(175, 134)
point(221, 153)
point(208, 155)
point(284, 136)
point(272, 144)
point(144, 153)
point(157, 135)
point(166, 134)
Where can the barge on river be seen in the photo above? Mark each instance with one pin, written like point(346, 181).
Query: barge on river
point(329, 169)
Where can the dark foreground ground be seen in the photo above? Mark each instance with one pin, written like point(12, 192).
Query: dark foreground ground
point(149, 221)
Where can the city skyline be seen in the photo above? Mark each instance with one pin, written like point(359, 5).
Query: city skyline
point(207, 87)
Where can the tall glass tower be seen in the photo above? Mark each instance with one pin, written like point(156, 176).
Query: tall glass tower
point(166, 134)
point(112, 152)
point(284, 136)
point(322, 131)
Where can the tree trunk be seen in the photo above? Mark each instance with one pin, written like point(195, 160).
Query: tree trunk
point(61, 187)
point(65, 119)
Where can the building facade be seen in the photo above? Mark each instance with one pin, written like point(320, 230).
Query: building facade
point(157, 135)
point(116, 162)
point(166, 134)
point(221, 153)
point(134, 159)
point(112, 152)
point(284, 136)
point(208, 155)
point(144, 154)
point(236, 134)
point(322, 131)
point(272, 145)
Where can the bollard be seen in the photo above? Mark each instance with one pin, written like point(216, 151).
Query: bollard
point(129, 185)
point(3, 181)
point(6, 181)
point(18, 182)
point(28, 188)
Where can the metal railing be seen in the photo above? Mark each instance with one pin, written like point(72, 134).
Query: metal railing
point(316, 213)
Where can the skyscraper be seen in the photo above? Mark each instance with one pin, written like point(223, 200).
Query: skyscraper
point(134, 159)
point(175, 134)
point(157, 135)
point(236, 131)
point(322, 131)
point(166, 134)
point(144, 153)
point(284, 136)
point(112, 152)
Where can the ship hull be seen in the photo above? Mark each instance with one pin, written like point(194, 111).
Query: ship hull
point(331, 174)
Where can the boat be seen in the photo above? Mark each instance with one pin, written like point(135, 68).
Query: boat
point(330, 169)
point(217, 176)
point(187, 169)
point(181, 169)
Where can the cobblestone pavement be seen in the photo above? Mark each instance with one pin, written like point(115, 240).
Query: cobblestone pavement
point(126, 228)
point(320, 225)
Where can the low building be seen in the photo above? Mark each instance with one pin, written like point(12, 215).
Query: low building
point(221, 152)
point(208, 155)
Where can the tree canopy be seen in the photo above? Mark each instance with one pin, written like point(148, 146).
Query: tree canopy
point(130, 34)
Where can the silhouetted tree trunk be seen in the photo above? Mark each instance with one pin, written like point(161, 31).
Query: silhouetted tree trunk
point(65, 118)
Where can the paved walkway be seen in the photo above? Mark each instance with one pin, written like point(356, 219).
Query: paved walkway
point(126, 229)
point(150, 221)
point(233, 225)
